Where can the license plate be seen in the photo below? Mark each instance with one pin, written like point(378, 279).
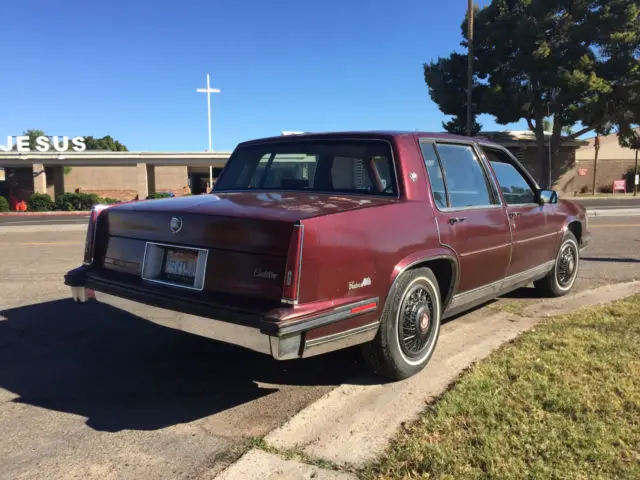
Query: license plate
point(174, 265)
point(180, 265)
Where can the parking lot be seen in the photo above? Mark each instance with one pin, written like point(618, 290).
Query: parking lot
point(92, 391)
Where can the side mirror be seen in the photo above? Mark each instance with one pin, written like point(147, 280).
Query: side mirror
point(547, 196)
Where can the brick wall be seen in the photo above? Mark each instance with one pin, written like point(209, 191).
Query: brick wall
point(562, 172)
point(121, 182)
point(608, 171)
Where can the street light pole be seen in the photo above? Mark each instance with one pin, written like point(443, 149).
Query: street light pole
point(635, 175)
point(209, 91)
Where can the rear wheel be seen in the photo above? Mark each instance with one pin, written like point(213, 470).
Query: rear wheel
point(560, 280)
point(409, 327)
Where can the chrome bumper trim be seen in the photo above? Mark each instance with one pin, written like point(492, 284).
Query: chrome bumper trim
point(340, 340)
point(284, 347)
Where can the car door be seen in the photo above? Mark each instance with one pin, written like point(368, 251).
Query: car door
point(470, 217)
point(534, 226)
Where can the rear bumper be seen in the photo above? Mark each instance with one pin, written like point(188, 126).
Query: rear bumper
point(251, 330)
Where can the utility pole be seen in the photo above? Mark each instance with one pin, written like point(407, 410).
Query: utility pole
point(470, 15)
point(596, 144)
point(635, 175)
point(209, 91)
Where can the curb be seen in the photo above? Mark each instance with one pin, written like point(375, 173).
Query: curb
point(612, 212)
point(326, 429)
point(47, 214)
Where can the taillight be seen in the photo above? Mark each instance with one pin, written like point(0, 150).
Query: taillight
point(90, 241)
point(293, 270)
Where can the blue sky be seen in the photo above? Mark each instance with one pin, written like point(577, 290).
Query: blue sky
point(130, 69)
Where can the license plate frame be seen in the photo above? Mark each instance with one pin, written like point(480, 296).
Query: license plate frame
point(155, 261)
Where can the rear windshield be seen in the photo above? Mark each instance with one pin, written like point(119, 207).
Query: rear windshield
point(363, 167)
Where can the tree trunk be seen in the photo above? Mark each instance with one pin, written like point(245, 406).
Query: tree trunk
point(543, 153)
point(556, 138)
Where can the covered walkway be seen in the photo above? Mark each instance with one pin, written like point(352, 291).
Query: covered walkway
point(35, 167)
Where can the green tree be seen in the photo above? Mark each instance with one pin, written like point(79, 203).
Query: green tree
point(446, 79)
point(104, 143)
point(33, 134)
point(577, 61)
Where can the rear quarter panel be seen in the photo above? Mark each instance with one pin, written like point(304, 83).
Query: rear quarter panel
point(356, 255)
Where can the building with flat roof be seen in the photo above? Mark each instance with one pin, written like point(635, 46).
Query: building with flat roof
point(130, 175)
point(121, 175)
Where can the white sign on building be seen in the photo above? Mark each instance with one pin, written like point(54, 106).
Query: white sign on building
point(44, 144)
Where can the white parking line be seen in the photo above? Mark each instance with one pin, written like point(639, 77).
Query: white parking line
point(69, 227)
point(26, 222)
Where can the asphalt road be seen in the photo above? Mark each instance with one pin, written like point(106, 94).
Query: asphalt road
point(610, 203)
point(94, 392)
point(43, 220)
point(599, 203)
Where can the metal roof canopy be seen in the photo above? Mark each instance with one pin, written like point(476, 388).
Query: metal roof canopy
point(99, 158)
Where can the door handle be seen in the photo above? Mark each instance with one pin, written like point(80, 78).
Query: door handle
point(453, 220)
point(514, 214)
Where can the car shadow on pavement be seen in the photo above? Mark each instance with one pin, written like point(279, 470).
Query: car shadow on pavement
point(610, 259)
point(523, 293)
point(124, 372)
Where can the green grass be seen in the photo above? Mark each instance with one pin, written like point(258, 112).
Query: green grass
point(561, 401)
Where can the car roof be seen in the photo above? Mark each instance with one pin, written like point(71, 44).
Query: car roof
point(369, 134)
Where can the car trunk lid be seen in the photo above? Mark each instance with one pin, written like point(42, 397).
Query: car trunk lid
point(244, 239)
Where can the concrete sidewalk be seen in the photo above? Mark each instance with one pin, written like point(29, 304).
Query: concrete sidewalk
point(351, 425)
point(613, 212)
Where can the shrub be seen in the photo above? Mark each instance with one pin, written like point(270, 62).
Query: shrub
point(76, 201)
point(159, 195)
point(40, 202)
point(109, 201)
point(630, 178)
point(4, 204)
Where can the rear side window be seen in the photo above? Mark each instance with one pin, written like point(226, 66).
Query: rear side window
point(363, 167)
point(435, 174)
point(462, 177)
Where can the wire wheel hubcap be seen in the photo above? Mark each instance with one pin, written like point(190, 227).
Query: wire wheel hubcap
point(415, 321)
point(567, 263)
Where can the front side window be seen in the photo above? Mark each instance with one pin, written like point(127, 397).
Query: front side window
point(467, 183)
point(327, 166)
point(515, 188)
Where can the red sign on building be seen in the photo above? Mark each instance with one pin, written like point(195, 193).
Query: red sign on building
point(620, 185)
point(582, 171)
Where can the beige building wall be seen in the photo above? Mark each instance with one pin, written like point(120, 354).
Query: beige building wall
point(121, 182)
point(563, 170)
point(614, 162)
point(171, 179)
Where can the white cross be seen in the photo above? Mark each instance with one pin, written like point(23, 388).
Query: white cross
point(209, 91)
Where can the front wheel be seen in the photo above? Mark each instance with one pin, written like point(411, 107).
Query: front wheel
point(559, 281)
point(409, 327)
